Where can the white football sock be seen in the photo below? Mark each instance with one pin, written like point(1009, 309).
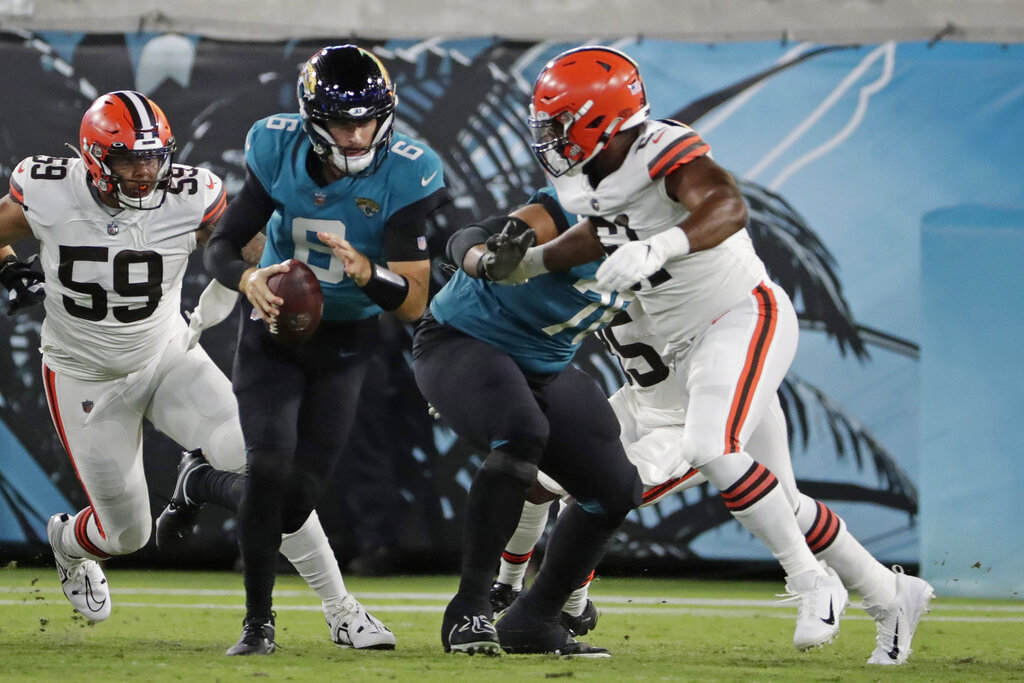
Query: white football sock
point(531, 527)
point(578, 600)
point(311, 555)
point(770, 518)
point(857, 568)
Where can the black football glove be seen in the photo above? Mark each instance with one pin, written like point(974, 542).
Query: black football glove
point(23, 283)
point(506, 249)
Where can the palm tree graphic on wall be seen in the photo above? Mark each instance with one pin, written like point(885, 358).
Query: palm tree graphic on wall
point(472, 111)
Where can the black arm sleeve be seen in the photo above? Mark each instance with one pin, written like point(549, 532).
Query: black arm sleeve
point(405, 232)
point(247, 213)
point(463, 240)
point(475, 233)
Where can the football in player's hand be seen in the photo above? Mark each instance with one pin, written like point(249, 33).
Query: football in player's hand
point(303, 303)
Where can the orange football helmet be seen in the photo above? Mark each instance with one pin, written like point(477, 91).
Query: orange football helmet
point(126, 125)
point(580, 100)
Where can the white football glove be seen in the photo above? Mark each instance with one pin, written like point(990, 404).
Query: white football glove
point(215, 304)
point(635, 261)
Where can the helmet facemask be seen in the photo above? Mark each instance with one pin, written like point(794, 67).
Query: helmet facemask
point(325, 147)
point(141, 193)
point(553, 143)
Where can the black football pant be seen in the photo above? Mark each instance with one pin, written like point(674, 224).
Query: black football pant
point(297, 405)
point(561, 422)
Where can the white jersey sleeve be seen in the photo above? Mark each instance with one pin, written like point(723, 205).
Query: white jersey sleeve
point(113, 277)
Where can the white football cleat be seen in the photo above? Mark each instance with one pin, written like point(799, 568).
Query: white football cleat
point(82, 580)
point(897, 621)
point(352, 626)
point(821, 600)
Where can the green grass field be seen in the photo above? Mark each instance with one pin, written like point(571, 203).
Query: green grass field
point(175, 626)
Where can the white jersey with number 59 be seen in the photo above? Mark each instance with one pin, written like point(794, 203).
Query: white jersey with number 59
point(113, 278)
point(632, 204)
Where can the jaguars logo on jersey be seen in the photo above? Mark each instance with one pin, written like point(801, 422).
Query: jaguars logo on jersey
point(369, 207)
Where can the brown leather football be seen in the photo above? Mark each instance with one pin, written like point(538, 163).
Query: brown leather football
point(303, 303)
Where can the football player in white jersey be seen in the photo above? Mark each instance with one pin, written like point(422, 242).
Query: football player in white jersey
point(651, 410)
point(672, 222)
point(115, 228)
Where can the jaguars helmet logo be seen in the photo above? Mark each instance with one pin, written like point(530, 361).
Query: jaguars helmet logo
point(309, 78)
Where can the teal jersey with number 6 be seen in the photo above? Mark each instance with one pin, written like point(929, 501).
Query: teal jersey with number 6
point(367, 210)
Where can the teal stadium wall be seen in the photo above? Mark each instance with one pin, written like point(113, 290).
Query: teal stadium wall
point(972, 401)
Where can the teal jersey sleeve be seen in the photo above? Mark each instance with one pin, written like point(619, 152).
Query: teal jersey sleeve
point(540, 323)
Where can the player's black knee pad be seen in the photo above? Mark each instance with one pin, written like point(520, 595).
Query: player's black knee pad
point(522, 433)
point(616, 500)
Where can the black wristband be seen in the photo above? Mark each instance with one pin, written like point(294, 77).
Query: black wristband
point(386, 288)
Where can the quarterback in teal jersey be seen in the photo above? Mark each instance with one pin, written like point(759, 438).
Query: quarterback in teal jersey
point(335, 187)
point(363, 207)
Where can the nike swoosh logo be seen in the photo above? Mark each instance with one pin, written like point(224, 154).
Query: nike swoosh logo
point(831, 615)
point(894, 653)
point(549, 100)
point(210, 184)
point(21, 167)
point(90, 599)
point(426, 181)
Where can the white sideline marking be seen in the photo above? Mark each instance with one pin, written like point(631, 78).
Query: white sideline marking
point(445, 597)
point(666, 611)
point(701, 607)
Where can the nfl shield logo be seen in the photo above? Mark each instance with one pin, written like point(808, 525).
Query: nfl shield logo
point(113, 228)
point(319, 198)
point(87, 406)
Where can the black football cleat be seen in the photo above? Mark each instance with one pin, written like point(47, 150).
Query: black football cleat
point(502, 597)
point(177, 522)
point(584, 623)
point(519, 634)
point(257, 638)
point(467, 631)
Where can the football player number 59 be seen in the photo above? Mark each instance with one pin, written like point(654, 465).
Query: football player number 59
point(126, 264)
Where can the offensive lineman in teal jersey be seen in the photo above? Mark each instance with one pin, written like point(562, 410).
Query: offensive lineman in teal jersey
point(551, 316)
point(495, 362)
point(336, 188)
